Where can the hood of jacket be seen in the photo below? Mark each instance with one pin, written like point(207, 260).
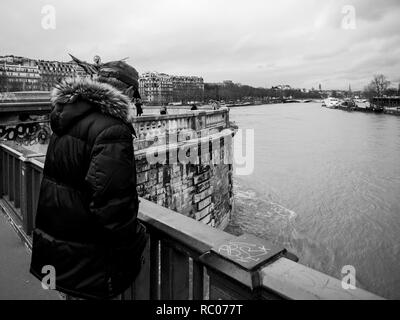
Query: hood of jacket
point(72, 98)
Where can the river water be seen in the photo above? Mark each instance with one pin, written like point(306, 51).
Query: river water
point(326, 185)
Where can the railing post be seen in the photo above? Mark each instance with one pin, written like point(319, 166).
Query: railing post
point(11, 180)
point(234, 267)
point(26, 196)
point(6, 173)
point(17, 183)
point(227, 124)
point(199, 121)
point(2, 171)
point(141, 287)
point(36, 179)
point(174, 274)
point(198, 281)
point(203, 120)
point(154, 267)
point(193, 122)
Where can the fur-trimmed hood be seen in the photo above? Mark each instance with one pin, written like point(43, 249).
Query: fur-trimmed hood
point(84, 94)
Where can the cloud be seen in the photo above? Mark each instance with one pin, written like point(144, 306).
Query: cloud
point(255, 42)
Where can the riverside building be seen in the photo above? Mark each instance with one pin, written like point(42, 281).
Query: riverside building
point(53, 71)
point(159, 88)
point(18, 74)
point(156, 88)
point(25, 74)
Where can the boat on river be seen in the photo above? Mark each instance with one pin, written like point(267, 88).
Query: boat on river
point(332, 103)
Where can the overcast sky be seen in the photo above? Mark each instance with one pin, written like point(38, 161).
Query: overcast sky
point(258, 42)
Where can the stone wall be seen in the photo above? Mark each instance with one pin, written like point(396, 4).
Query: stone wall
point(201, 189)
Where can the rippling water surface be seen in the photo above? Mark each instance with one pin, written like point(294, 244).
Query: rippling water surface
point(326, 185)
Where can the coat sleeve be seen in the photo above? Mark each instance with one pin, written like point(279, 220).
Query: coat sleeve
point(111, 179)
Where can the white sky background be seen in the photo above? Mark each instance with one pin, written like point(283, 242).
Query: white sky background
point(256, 42)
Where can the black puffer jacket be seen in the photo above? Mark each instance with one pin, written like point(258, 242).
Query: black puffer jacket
point(86, 225)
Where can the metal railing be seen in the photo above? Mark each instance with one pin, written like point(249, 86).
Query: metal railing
point(181, 261)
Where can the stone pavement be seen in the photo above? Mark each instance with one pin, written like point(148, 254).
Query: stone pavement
point(16, 283)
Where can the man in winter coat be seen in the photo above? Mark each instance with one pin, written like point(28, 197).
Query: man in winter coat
point(86, 223)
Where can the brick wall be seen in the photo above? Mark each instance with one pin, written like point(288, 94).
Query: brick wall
point(201, 191)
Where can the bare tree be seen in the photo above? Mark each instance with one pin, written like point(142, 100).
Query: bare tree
point(377, 86)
